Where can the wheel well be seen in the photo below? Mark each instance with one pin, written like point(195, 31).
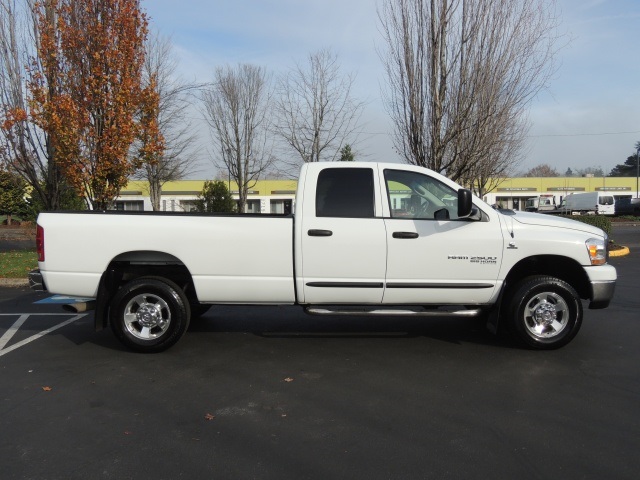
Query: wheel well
point(557, 266)
point(131, 265)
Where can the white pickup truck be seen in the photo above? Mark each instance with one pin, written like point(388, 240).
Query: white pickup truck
point(365, 239)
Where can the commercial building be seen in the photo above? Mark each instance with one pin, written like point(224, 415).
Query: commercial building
point(512, 193)
point(266, 196)
point(278, 196)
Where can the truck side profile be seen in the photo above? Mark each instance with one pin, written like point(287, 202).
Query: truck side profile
point(365, 239)
point(544, 202)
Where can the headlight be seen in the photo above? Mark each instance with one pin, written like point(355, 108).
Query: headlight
point(597, 249)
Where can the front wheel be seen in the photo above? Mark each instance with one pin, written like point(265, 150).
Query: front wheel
point(543, 312)
point(149, 314)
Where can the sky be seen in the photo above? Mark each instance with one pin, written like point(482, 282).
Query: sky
point(588, 116)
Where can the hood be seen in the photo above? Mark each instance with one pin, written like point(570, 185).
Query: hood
point(553, 221)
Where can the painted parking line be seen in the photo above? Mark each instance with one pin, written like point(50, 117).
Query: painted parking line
point(8, 335)
point(62, 300)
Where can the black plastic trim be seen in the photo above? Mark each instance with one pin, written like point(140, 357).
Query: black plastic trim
point(462, 286)
point(314, 232)
point(346, 284)
point(407, 235)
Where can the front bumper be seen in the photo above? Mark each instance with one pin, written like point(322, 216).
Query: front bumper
point(36, 282)
point(602, 279)
point(601, 294)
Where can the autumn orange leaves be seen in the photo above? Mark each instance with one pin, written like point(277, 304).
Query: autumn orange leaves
point(86, 92)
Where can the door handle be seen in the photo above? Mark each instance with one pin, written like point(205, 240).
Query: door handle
point(405, 235)
point(319, 233)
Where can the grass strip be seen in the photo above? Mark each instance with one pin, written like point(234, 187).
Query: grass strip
point(17, 263)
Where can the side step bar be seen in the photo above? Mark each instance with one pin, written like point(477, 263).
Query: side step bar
point(445, 311)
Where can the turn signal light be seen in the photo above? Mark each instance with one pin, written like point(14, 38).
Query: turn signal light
point(597, 251)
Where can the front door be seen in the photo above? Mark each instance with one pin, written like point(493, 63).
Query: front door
point(434, 257)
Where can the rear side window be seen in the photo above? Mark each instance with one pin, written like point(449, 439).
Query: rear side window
point(606, 200)
point(345, 192)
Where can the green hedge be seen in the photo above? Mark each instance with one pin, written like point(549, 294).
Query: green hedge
point(599, 221)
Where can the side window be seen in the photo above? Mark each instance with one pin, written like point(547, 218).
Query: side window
point(345, 192)
point(417, 196)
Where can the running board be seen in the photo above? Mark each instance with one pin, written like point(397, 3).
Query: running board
point(447, 311)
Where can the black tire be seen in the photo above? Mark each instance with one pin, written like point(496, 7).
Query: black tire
point(149, 314)
point(542, 312)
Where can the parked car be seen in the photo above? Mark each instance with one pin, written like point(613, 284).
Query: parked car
point(628, 206)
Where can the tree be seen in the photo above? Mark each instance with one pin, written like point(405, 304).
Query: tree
point(629, 168)
point(236, 107)
point(215, 198)
point(346, 155)
point(591, 171)
point(170, 125)
point(26, 148)
point(569, 173)
point(316, 112)
point(94, 50)
point(12, 195)
point(542, 170)
point(461, 74)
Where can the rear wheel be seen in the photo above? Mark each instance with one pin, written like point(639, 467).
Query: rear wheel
point(149, 314)
point(543, 312)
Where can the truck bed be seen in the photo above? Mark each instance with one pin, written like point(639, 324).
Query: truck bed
point(232, 258)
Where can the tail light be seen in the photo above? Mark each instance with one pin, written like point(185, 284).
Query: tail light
point(40, 243)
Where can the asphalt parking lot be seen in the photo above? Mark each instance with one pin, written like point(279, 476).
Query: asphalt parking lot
point(270, 393)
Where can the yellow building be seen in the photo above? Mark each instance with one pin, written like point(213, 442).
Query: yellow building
point(513, 192)
point(278, 196)
point(267, 196)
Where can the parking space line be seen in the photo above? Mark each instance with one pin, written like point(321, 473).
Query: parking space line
point(26, 341)
point(13, 329)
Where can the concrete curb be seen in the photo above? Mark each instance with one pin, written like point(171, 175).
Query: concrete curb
point(619, 253)
point(14, 282)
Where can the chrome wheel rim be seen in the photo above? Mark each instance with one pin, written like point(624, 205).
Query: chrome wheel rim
point(147, 316)
point(546, 315)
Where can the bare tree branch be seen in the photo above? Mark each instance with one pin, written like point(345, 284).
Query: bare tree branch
point(316, 112)
point(236, 108)
point(181, 151)
point(461, 75)
point(24, 147)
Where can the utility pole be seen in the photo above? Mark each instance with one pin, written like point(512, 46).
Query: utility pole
point(637, 169)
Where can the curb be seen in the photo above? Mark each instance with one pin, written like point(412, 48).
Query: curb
point(14, 282)
point(620, 253)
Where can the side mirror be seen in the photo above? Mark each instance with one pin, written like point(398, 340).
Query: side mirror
point(465, 204)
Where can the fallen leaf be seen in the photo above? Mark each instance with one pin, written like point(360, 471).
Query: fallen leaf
point(208, 416)
point(47, 389)
point(288, 379)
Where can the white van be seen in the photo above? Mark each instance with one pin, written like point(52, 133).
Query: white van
point(590, 203)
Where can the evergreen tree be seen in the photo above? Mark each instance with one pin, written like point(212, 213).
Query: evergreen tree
point(215, 198)
point(346, 155)
point(628, 168)
point(12, 195)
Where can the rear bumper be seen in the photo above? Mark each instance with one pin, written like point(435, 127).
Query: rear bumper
point(36, 282)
